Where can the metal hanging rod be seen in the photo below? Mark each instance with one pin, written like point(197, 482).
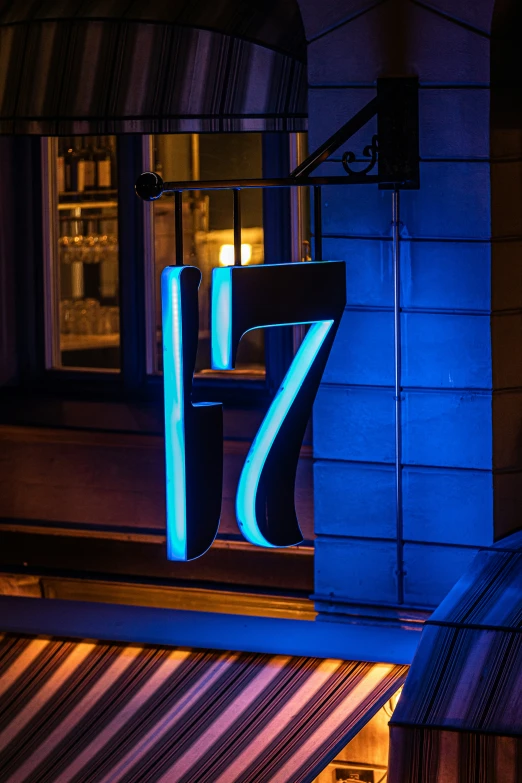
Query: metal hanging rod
point(178, 226)
point(237, 227)
point(150, 186)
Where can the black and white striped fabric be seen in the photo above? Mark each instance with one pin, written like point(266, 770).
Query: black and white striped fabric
point(460, 713)
point(92, 68)
point(96, 712)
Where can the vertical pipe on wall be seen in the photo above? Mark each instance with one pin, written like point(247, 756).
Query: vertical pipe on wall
point(178, 218)
point(237, 227)
point(397, 363)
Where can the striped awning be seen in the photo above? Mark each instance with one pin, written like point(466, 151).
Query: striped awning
point(77, 67)
point(459, 719)
point(97, 712)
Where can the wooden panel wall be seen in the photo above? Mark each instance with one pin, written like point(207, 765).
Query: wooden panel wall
point(105, 479)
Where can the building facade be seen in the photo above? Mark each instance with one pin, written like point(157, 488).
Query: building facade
point(411, 468)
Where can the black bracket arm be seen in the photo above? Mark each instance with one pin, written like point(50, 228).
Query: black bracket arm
point(340, 137)
point(395, 147)
point(393, 152)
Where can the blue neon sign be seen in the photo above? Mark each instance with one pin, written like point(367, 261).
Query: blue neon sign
point(174, 405)
point(248, 487)
point(243, 298)
point(193, 432)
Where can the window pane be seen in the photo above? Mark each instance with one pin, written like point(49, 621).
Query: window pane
point(208, 238)
point(84, 259)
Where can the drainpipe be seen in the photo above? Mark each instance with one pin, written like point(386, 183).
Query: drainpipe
point(398, 411)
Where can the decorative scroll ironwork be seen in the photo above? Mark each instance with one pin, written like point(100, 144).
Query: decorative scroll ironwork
point(370, 151)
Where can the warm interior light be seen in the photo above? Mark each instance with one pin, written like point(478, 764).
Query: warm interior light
point(226, 254)
point(395, 698)
point(389, 707)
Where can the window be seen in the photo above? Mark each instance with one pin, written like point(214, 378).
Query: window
point(105, 251)
point(88, 416)
point(208, 230)
point(82, 245)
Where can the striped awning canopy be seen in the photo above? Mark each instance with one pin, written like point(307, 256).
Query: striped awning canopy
point(99, 712)
point(77, 67)
point(459, 719)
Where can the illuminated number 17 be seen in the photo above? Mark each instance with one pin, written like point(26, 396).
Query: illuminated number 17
point(243, 298)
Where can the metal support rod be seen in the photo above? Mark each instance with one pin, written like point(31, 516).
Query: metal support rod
point(344, 133)
point(237, 227)
point(178, 225)
point(318, 224)
point(268, 182)
point(398, 411)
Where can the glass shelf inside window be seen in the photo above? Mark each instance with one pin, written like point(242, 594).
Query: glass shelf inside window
point(84, 268)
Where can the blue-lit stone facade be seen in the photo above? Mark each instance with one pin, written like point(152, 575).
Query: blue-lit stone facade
point(461, 323)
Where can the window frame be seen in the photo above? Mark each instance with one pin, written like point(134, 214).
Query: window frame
point(280, 207)
point(134, 381)
point(40, 402)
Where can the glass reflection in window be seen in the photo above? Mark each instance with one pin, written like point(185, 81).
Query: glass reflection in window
point(84, 260)
point(208, 239)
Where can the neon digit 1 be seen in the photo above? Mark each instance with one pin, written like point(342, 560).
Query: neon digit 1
point(193, 432)
point(245, 298)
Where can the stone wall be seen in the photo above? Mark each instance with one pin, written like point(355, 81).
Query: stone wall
point(461, 305)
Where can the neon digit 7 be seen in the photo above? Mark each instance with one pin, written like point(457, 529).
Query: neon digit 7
point(246, 298)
